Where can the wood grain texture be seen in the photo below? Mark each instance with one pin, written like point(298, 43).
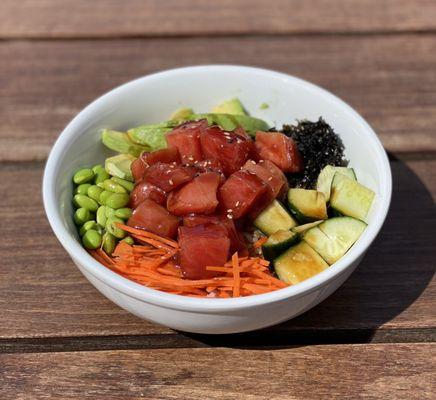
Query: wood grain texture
point(111, 18)
point(336, 372)
point(389, 79)
point(42, 294)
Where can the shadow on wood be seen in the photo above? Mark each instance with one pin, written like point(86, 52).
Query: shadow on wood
point(396, 270)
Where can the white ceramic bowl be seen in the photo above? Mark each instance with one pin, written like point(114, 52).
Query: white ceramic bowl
point(151, 99)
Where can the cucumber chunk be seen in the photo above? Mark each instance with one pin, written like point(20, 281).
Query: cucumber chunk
point(350, 197)
point(333, 238)
point(300, 229)
point(299, 263)
point(274, 218)
point(278, 242)
point(325, 177)
point(307, 205)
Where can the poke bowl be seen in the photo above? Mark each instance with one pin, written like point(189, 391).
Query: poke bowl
point(328, 214)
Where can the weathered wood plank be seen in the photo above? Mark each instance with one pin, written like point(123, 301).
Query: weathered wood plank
point(42, 294)
point(393, 371)
point(111, 18)
point(387, 78)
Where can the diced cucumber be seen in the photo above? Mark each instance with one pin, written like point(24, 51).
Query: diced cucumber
point(307, 205)
point(350, 197)
point(299, 263)
point(300, 229)
point(274, 218)
point(325, 177)
point(278, 242)
point(333, 238)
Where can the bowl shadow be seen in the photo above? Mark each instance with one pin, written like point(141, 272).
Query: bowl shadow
point(395, 271)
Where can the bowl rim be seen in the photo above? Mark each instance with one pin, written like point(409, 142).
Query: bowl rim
point(84, 260)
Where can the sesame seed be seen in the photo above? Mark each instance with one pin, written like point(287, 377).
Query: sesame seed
point(270, 178)
point(229, 210)
point(190, 158)
point(171, 182)
point(237, 203)
point(229, 216)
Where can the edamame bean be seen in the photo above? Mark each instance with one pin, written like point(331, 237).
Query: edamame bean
point(94, 192)
point(109, 242)
point(87, 226)
point(112, 186)
point(83, 188)
point(110, 212)
point(123, 213)
point(128, 240)
point(125, 184)
point(101, 175)
point(113, 229)
point(91, 239)
point(82, 215)
point(83, 175)
point(101, 215)
point(117, 200)
point(96, 168)
point(80, 200)
point(104, 196)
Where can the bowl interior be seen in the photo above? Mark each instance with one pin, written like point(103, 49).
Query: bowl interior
point(154, 98)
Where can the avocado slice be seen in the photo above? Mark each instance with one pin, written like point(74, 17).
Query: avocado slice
point(230, 122)
point(232, 107)
point(181, 114)
point(121, 143)
point(119, 166)
point(151, 136)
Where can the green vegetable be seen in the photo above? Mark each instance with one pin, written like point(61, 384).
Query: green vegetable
point(300, 229)
point(230, 122)
point(91, 239)
point(325, 178)
point(119, 166)
point(181, 114)
point(299, 263)
point(232, 106)
point(104, 196)
point(83, 175)
point(94, 192)
point(87, 226)
point(278, 242)
point(120, 142)
point(101, 215)
point(350, 197)
point(100, 174)
point(81, 200)
point(123, 213)
point(113, 229)
point(117, 200)
point(307, 205)
point(97, 168)
point(83, 188)
point(152, 136)
point(108, 243)
point(128, 240)
point(112, 186)
point(129, 186)
point(274, 218)
point(332, 238)
point(110, 212)
point(82, 215)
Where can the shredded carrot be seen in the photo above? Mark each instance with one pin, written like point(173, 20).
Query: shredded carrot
point(260, 242)
point(152, 263)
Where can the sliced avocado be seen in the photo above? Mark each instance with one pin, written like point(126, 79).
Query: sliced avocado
point(119, 166)
point(232, 106)
point(152, 136)
point(181, 114)
point(120, 142)
point(230, 122)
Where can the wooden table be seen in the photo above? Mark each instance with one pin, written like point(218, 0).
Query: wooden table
point(374, 338)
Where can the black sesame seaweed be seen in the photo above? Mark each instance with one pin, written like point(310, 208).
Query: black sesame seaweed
point(319, 146)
